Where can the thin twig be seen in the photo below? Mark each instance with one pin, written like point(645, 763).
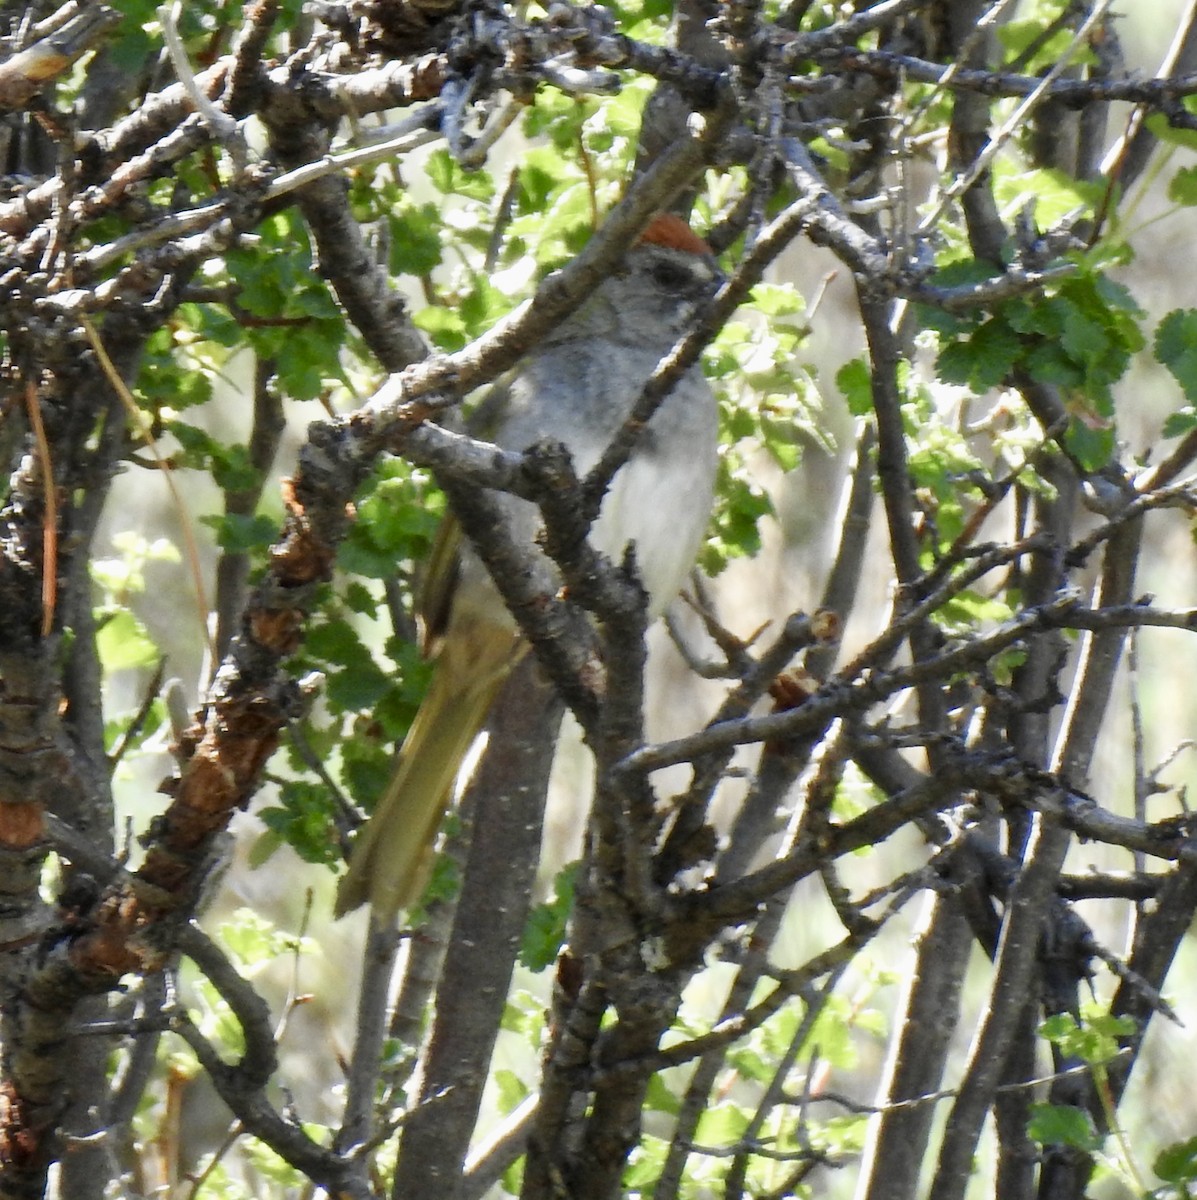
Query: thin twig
point(50, 515)
point(138, 419)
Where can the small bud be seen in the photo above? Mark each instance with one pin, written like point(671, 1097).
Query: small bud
point(825, 625)
point(792, 688)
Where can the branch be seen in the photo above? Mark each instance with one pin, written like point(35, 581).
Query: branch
point(27, 72)
point(1071, 93)
point(1012, 983)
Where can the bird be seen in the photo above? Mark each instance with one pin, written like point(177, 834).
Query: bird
point(577, 386)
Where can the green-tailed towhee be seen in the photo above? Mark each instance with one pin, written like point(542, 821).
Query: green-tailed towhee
point(577, 387)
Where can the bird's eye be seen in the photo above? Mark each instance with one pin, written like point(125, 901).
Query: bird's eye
point(672, 277)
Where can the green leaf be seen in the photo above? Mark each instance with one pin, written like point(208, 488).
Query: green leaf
point(1025, 36)
point(366, 767)
point(721, 1125)
point(238, 534)
point(124, 575)
point(443, 325)
point(134, 48)
point(644, 1165)
point(1084, 338)
point(735, 529)
point(359, 686)
point(512, 1090)
point(1182, 187)
point(230, 464)
point(776, 300)
point(397, 709)
point(398, 512)
point(445, 174)
point(544, 933)
point(968, 610)
point(1063, 1125)
point(415, 240)
point(1165, 131)
point(537, 182)
point(356, 679)
point(659, 1097)
point(524, 1014)
point(271, 1166)
point(983, 360)
point(155, 719)
point(843, 1134)
point(1054, 193)
point(833, 1033)
point(336, 642)
point(561, 230)
point(303, 819)
point(1049, 363)
point(856, 384)
point(359, 599)
point(512, 1180)
point(1176, 348)
point(315, 300)
point(1179, 423)
point(1091, 447)
point(253, 941)
point(1095, 1039)
point(122, 642)
point(963, 273)
point(483, 306)
point(1177, 1163)
point(262, 849)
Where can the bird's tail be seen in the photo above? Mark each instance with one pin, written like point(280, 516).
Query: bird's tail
point(392, 857)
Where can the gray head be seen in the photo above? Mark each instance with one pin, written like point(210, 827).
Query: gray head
point(651, 299)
